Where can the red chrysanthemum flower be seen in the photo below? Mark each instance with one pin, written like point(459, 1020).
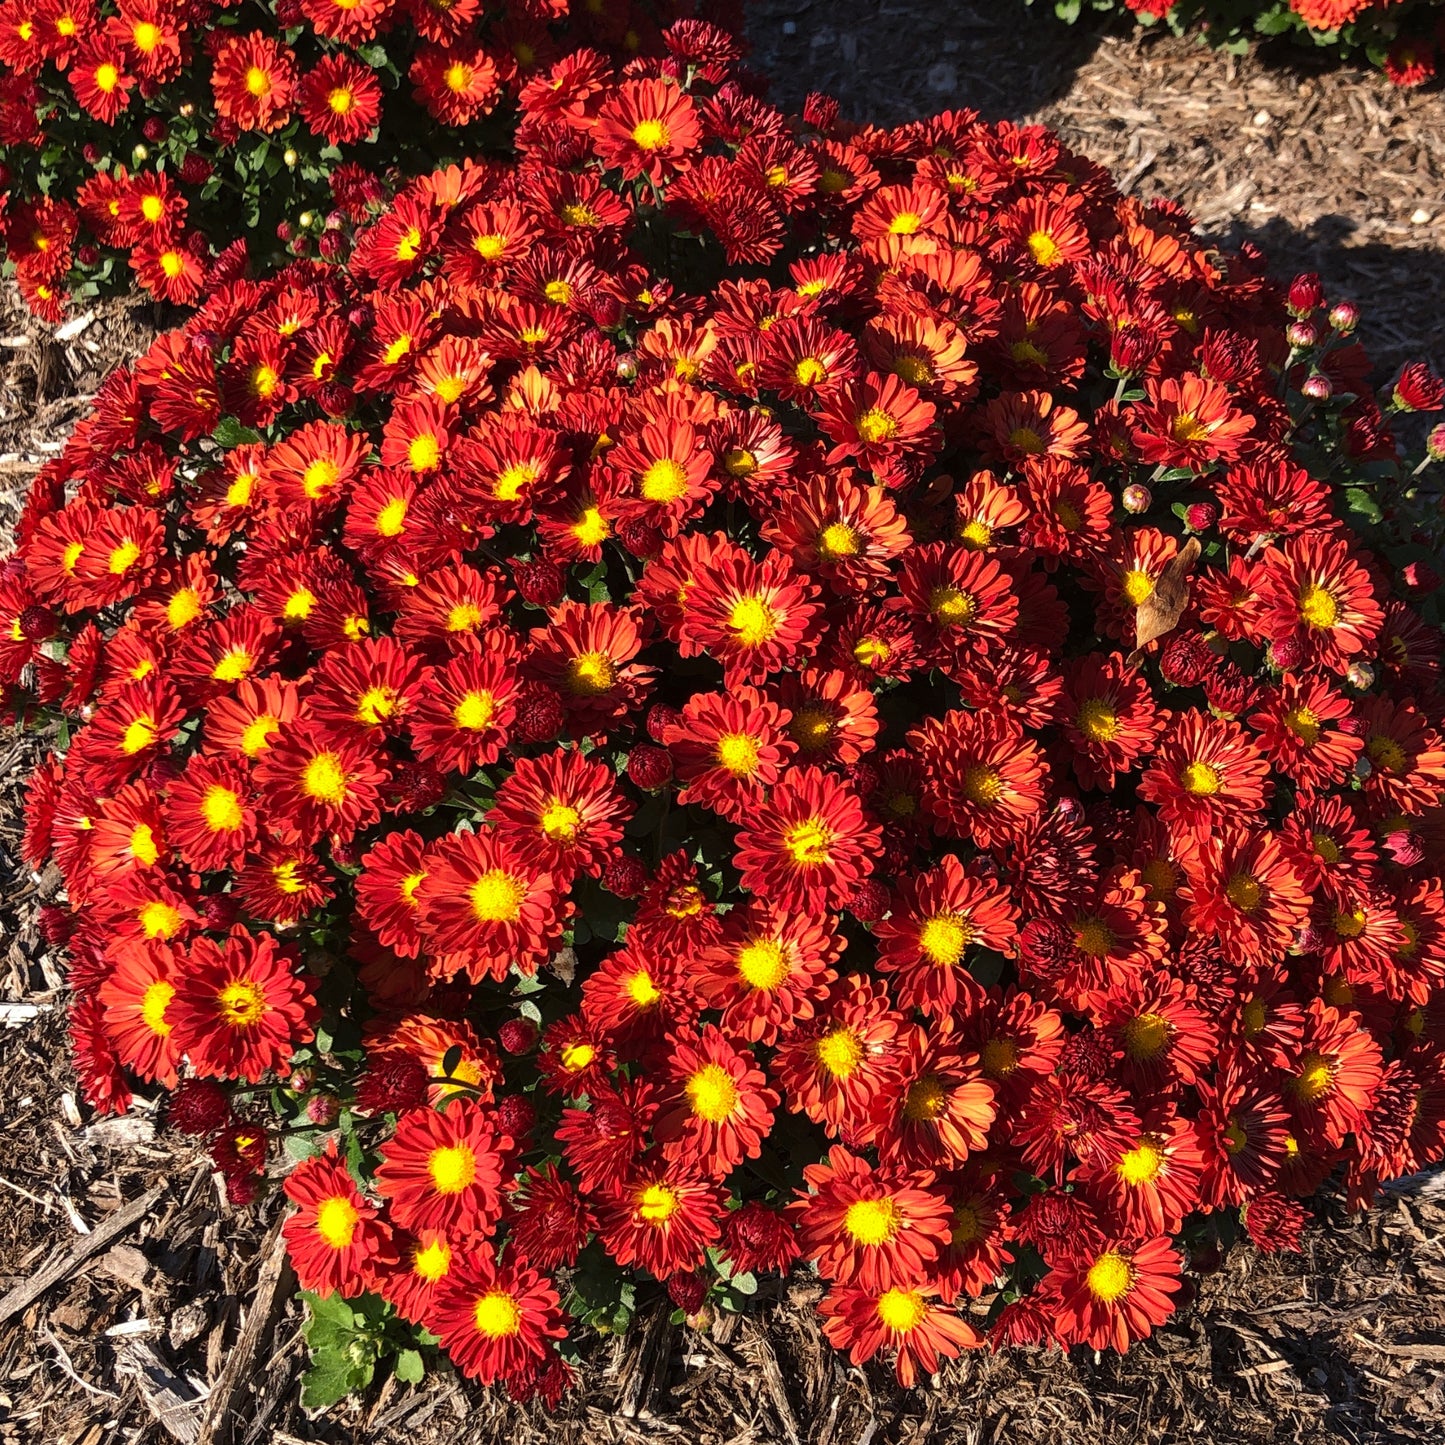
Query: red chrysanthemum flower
point(240, 1008)
point(563, 812)
point(645, 128)
point(809, 846)
point(935, 918)
point(717, 1107)
point(876, 1228)
point(768, 970)
point(662, 1219)
point(1112, 1297)
point(496, 1318)
point(335, 1238)
point(1206, 772)
point(484, 908)
point(1189, 421)
point(443, 1170)
point(253, 79)
point(386, 890)
point(982, 777)
point(339, 99)
point(728, 748)
point(136, 1009)
point(940, 1110)
point(904, 1320)
point(1243, 892)
point(1316, 597)
point(210, 817)
point(312, 783)
point(1109, 718)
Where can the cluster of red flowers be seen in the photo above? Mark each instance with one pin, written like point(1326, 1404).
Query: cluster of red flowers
point(157, 131)
point(1401, 36)
point(889, 760)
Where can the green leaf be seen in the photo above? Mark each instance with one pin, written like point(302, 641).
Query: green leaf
point(374, 55)
point(1363, 504)
point(410, 1367)
point(230, 433)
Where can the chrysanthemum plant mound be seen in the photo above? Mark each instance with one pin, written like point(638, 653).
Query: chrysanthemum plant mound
point(777, 694)
point(140, 138)
point(1403, 37)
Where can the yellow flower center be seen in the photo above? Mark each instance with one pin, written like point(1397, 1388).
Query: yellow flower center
point(153, 1005)
point(838, 540)
point(137, 736)
point(926, 1100)
point(221, 809)
point(1317, 606)
point(809, 843)
point(952, 606)
point(183, 608)
point(1146, 1036)
point(905, 223)
point(336, 1220)
point(256, 736)
point(1097, 720)
point(376, 705)
point(496, 897)
point(1000, 1058)
point(982, 784)
point(875, 425)
point(433, 1261)
point(578, 1056)
point(325, 779)
point(915, 370)
point(1201, 779)
point(1304, 725)
point(872, 1221)
point(1350, 925)
point(712, 1093)
point(1109, 1278)
point(1315, 1077)
point(452, 1168)
point(1235, 1139)
point(340, 100)
point(650, 135)
point(143, 847)
point(901, 1310)
point(840, 1052)
point(592, 529)
point(1244, 892)
point(512, 481)
point(160, 920)
point(560, 822)
point(738, 754)
point(968, 1225)
point(1044, 248)
point(944, 937)
point(740, 462)
point(497, 1315)
point(657, 1204)
point(1140, 1165)
point(319, 477)
point(1093, 937)
point(258, 83)
point(591, 674)
point(1325, 848)
point(763, 963)
point(1137, 586)
point(1387, 755)
point(1254, 1016)
point(1186, 429)
point(753, 622)
point(664, 481)
point(475, 711)
point(243, 1004)
point(640, 988)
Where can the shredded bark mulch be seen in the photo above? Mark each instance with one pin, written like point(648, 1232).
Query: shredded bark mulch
point(151, 1329)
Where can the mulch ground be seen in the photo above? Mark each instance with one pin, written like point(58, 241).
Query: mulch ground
point(158, 1335)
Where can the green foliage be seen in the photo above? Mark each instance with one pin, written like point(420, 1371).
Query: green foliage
point(349, 1340)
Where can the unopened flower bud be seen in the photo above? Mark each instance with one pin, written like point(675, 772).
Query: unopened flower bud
point(1302, 334)
point(290, 158)
point(1306, 293)
point(1344, 316)
point(1201, 516)
point(1317, 386)
point(1137, 498)
point(1361, 675)
point(517, 1035)
point(323, 1109)
point(649, 767)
